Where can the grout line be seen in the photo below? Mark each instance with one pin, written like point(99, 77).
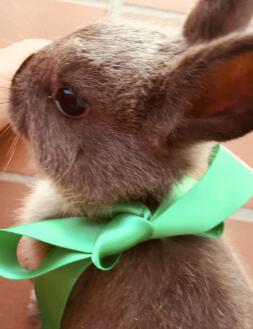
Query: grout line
point(17, 178)
point(94, 3)
point(116, 7)
point(134, 9)
point(243, 215)
point(137, 9)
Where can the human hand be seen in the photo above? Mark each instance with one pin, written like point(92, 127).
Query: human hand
point(11, 58)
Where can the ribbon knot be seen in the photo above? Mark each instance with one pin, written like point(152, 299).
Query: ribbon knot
point(192, 208)
point(122, 233)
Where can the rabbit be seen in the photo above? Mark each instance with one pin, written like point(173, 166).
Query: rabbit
point(117, 112)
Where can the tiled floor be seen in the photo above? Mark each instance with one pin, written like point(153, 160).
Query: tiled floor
point(50, 19)
point(14, 295)
point(20, 19)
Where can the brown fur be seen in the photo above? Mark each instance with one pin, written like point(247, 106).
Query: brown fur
point(151, 100)
point(212, 19)
point(190, 284)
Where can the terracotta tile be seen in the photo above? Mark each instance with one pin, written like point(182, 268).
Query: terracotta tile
point(11, 196)
point(172, 5)
point(243, 149)
point(22, 19)
point(13, 310)
point(13, 295)
point(240, 236)
point(14, 154)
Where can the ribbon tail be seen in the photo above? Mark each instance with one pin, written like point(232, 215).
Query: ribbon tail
point(53, 290)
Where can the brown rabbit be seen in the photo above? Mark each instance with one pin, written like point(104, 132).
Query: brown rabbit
point(116, 113)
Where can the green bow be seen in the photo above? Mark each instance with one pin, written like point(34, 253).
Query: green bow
point(193, 208)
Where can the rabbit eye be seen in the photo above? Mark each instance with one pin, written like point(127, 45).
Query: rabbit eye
point(69, 103)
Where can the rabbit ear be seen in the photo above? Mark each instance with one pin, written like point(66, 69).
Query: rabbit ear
point(211, 19)
point(215, 84)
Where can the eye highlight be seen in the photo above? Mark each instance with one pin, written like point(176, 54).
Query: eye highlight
point(69, 103)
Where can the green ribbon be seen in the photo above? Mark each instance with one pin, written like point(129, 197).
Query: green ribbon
point(193, 208)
